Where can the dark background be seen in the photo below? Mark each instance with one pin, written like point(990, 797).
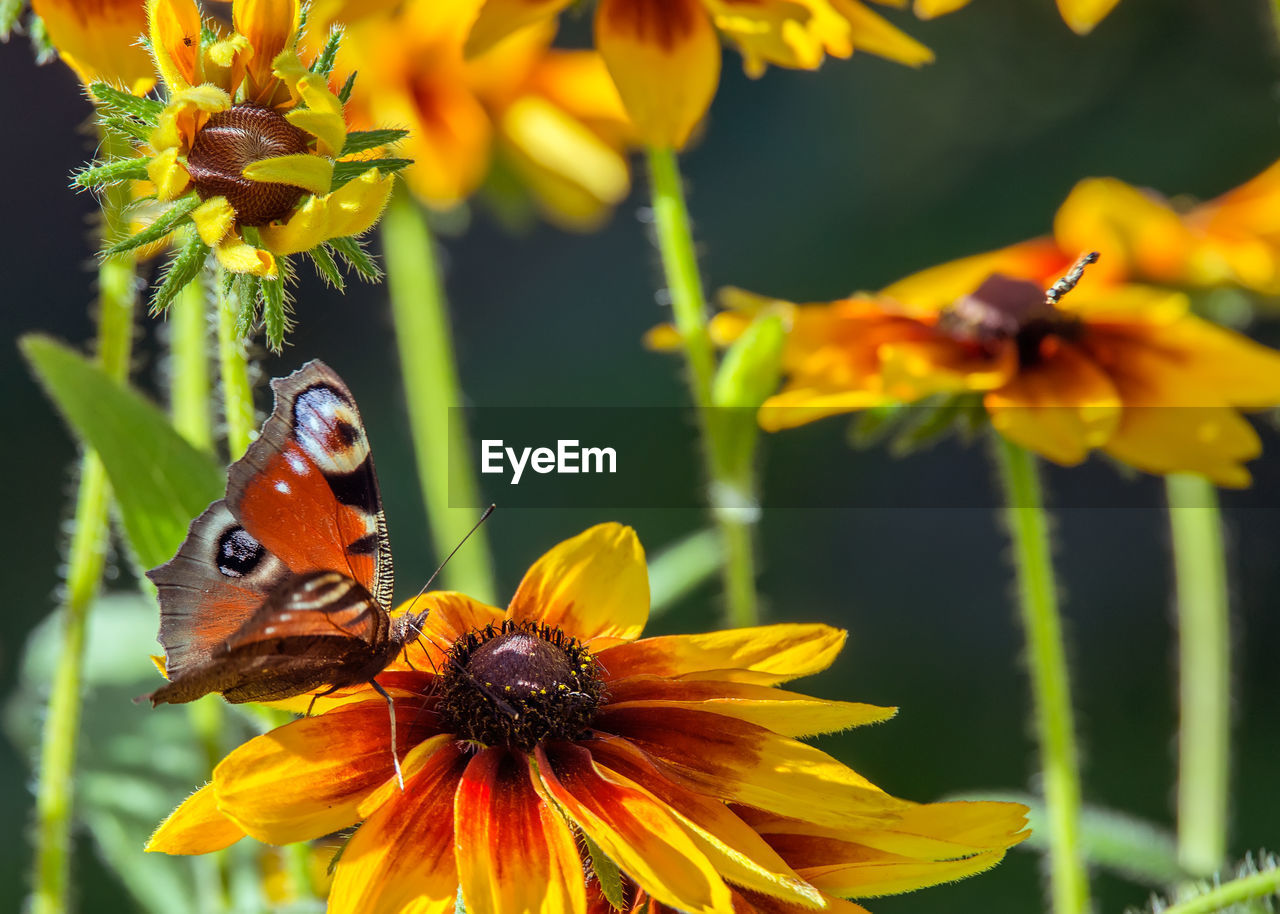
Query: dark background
point(805, 186)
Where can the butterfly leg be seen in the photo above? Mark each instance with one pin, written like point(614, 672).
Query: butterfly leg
point(391, 708)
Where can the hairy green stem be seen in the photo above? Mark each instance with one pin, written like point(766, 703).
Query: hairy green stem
point(732, 497)
point(433, 394)
point(1204, 652)
point(1246, 888)
point(233, 365)
point(86, 559)
point(189, 365)
point(1028, 524)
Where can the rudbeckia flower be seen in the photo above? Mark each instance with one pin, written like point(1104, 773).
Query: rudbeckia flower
point(250, 150)
point(551, 119)
point(99, 41)
point(1123, 368)
point(549, 743)
point(664, 55)
point(1080, 15)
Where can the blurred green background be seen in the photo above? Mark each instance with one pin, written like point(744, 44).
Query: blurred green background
point(807, 186)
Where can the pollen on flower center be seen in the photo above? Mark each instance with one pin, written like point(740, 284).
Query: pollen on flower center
point(519, 684)
point(1008, 309)
point(234, 139)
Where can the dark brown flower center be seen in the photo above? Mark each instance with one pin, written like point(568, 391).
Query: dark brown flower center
point(234, 139)
point(1008, 309)
point(518, 684)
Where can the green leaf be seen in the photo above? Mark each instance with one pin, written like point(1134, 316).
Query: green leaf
point(344, 172)
point(159, 481)
point(329, 53)
point(183, 268)
point(608, 876)
point(111, 173)
point(108, 96)
point(362, 140)
point(344, 94)
point(163, 225)
point(679, 568)
point(327, 267)
point(9, 12)
point(356, 258)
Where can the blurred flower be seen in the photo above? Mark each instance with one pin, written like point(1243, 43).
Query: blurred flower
point(550, 117)
point(664, 55)
point(550, 730)
point(1080, 15)
point(250, 148)
point(100, 41)
point(1122, 368)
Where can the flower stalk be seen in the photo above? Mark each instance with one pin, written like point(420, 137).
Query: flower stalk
point(86, 560)
point(233, 366)
point(432, 392)
point(1237, 891)
point(1028, 524)
point(1204, 662)
point(189, 366)
point(732, 493)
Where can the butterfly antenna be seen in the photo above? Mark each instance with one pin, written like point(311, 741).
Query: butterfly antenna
point(483, 517)
point(1068, 282)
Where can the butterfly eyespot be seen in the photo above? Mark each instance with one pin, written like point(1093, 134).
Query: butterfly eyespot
point(327, 427)
point(238, 553)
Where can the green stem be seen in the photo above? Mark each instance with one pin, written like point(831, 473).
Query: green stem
point(189, 365)
point(1246, 888)
point(233, 364)
point(1028, 525)
point(86, 559)
point(432, 393)
point(728, 494)
point(1204, 672)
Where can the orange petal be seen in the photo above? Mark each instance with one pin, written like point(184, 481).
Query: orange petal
point(785, 713)
point(636, 831)
point(175, 42)
point(99, 41)
point(270, 26)
point(664, 57)
point(594, 585)
point(308, 778)
point(937, 287)
point(1061, 408)
point(514, 851)
point(769, 653)
point(402, 857)
point(917, 369)
point(195, 827)
point(740, 762)
point(450, 615)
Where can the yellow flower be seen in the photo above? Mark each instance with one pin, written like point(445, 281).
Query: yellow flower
point(551, 117)
point(664, 55)
point(99, 40)
point(251, 150)
point(1080, 15)
point(552, 728)
point(1123, 368)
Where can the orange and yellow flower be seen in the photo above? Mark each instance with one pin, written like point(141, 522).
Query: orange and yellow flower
point(1080, 15)
point(1122, 368)
point(664, 55)
point(552, 729)
point(99, 40)
point(550, 117)
point(250, 148)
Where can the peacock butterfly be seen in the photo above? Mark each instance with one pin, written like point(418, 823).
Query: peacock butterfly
point(282, 587)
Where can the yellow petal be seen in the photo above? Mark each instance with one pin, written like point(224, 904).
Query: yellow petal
point(928, 9)
point(185, 114)
point(800, 405)
point(310, 172)
point(551, 140)
point(789, 33)
point(665, 60)
point(168, 175)
point(238, 257)
point(270, 27)
point(875, 35)
point(594, 585)
point(350, 210)
point(499, 18)
point(322, 117)
point(195, 827)
point(175, 41)
point(99, 41)
point(214, 219)
point(1083, 15)
point(771, 653)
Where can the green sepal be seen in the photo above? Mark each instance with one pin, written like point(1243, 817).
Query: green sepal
point(327, 267)
point(748, 374)
point(275, 312)
point(356, 258)
point(165, 224)
point(247, 291)
point(360, 140)
point(459, 903)
point(872, 426)
point(927, 422)
point(126, 126)
point(329, 53)
point(41, 43)
point(608, 876)
point(110, 173)
point(344, 172)
point(108, 96)
point(344, 94)
point(183, 268)
point(9, 12)
point(156, 497)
